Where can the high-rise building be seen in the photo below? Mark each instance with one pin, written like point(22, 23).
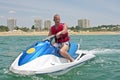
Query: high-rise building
point(38, 24)
point(84, 23)
point(11, 23)
point(47, 24)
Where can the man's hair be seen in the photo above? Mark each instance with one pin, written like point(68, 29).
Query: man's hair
point(55, 16)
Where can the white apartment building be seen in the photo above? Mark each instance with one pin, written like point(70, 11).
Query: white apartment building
point(47, 24)
point(38, 24)
point(84, 23)
point(11, 23)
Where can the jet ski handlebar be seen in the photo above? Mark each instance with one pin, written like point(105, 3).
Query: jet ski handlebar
point(50, 38)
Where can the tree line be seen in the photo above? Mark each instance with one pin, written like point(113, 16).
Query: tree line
point(5, 28)
point(98, 28)
point(75, 29)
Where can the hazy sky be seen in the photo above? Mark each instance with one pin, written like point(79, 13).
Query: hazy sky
point(99, 12)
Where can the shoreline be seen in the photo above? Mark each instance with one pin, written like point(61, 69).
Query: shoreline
point(21, 33)
point(95, 33)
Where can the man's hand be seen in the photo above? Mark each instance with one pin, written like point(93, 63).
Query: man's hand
point(58, 34)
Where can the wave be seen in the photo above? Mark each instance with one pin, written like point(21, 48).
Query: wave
point(101, 51)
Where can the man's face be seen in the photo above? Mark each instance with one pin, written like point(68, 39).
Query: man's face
point(57, 19)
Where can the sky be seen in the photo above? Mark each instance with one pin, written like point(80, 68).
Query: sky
point(99, 12)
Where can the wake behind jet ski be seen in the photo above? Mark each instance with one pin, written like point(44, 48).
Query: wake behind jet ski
point(42, 57)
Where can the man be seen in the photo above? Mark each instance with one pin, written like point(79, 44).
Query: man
point(61, 37)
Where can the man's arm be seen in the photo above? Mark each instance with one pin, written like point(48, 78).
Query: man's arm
point(63, 31)
point(49, 34)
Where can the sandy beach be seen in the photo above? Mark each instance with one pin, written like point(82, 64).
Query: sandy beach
point(16, 33)
point(21, 33)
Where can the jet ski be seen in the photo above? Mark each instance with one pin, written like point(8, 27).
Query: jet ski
point(42, 58)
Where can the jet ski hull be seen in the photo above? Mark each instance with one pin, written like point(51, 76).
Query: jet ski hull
point(46, 63)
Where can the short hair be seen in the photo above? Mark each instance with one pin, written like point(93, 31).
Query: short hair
point(56, 15)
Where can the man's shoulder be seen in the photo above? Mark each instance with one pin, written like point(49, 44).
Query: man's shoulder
point(62, 23)
point(52, 26)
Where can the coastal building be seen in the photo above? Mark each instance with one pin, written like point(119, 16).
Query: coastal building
point(47, 24)
point(11, 23)
point(84, 23)
point(38, 24)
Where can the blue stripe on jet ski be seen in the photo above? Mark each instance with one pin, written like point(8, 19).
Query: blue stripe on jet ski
point(44, 48)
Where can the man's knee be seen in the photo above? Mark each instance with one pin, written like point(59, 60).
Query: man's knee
point(61, 51)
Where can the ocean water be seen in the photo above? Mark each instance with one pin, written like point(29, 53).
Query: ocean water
point(105, 66)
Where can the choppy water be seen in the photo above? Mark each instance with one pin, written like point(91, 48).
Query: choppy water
point(105, 66)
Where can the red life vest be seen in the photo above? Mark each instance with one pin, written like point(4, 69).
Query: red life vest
point(63, 37)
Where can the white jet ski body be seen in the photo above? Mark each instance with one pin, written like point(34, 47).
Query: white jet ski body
point(42, 57)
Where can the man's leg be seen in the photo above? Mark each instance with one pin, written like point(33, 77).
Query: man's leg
point(64, 53)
